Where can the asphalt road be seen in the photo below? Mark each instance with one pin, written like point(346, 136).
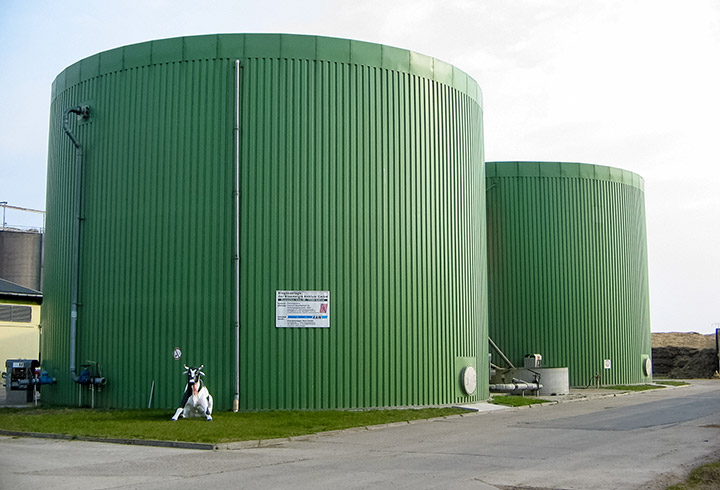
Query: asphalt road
point(644, 440)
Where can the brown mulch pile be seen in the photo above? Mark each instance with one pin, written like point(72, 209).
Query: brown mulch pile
point(683, 339)
point(684, 355)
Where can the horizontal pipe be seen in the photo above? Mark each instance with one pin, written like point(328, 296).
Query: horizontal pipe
point(510, 387)
point(18, 208)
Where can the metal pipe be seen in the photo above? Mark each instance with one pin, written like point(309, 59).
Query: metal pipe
point(152, 392)
point(510, 387)
point(236, 198)
point(501, 353)
point(4, 204)
point(84, 112)
point(7, 206)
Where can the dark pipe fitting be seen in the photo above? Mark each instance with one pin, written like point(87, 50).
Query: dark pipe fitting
point(83, 112)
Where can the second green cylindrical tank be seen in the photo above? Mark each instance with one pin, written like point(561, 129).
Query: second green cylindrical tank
point(567, 269)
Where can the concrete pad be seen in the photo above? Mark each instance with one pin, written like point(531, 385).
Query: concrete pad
point(481, 407)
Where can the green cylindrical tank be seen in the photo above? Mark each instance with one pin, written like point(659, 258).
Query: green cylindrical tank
point(567, 269)
point(359, 165)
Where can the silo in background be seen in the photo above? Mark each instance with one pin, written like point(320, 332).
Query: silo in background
point(567, 269)
point(21, 257)
point(358, 170)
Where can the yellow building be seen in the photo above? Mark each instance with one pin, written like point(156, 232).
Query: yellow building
point(19, 322)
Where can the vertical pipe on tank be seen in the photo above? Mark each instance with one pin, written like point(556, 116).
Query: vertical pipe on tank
point(84, 112)
point(236, 197)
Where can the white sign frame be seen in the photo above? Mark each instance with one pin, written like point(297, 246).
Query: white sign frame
point(302, 309)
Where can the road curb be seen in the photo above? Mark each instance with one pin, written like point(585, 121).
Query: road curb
point(130, 442)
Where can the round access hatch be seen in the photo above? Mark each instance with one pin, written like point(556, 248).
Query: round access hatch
point(647, 367)
point(469, 379)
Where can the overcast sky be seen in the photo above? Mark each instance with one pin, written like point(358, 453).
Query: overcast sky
point(625, 83)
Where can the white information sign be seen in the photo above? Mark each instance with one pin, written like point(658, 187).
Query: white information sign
point(302, 309)
point(608, 364)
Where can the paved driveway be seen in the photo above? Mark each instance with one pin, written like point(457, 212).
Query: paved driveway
point(642, 440)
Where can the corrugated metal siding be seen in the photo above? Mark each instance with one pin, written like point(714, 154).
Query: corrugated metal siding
point(567, 268)
point(61, 190)
point(356, 179)
point(156, 235)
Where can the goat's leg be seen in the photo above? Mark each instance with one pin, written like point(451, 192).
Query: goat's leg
point(207, 406)
point(183, 402)
point(178, 413)
point(208, 411)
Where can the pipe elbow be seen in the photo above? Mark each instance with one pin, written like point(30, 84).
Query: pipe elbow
point(83, 112)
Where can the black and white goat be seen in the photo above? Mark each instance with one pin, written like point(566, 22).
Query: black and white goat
point(197, 400)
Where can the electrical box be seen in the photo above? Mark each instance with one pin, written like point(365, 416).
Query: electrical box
point(18, 376)
point(533, 361)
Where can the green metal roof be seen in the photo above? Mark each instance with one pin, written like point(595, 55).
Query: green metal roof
point(282, 46)
point(564, 169)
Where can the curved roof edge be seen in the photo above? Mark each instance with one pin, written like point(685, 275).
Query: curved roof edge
point(243, 46)
point(566, 170)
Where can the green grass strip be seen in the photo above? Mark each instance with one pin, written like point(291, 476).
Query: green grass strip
point(516, 401)
point(633, 387)
point(671, 383)
point(225, 426)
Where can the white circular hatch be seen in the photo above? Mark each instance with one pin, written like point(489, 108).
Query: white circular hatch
point(647, 366)
point(469, 379)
